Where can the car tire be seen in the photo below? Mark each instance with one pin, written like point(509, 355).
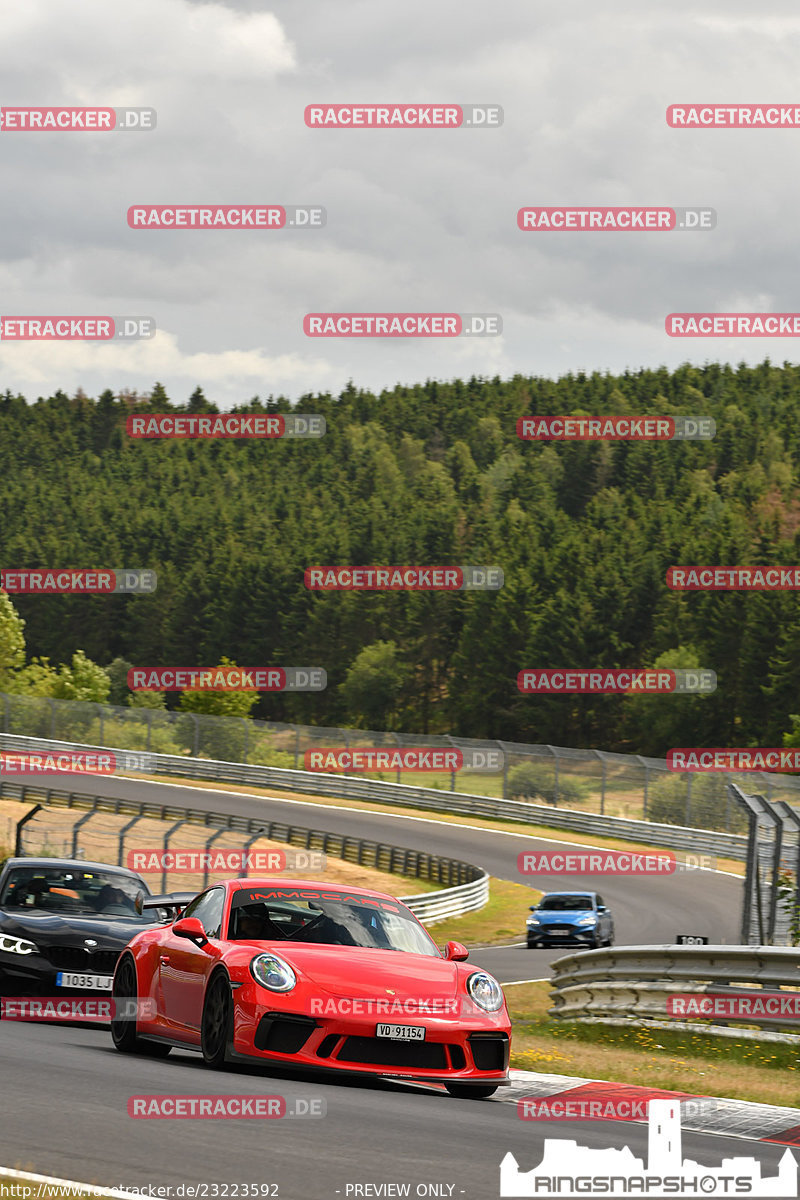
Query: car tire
point(610, 941)
point(216, 1028)
point(534, 945)
point(123, 1031)
point(466, 1091)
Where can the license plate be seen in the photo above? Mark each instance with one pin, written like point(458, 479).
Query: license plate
point(92, 983)
point(402, 1033)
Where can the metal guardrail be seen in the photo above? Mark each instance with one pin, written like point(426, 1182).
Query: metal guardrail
point(466, 886)
point(351, 787)
point(603, 782)
point(630, 985)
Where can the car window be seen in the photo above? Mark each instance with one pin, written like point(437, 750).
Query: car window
point(600, 902)
point(69, 889)
point(208, 910)
point(326, 918)
point(565, 903)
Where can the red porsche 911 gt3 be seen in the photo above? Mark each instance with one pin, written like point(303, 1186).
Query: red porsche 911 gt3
point(316, 976)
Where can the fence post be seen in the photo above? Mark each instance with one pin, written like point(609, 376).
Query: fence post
point(601, 756)
point(555, 775)
point(167, 836)
point(21, 825)
point(505, 769)
point(121, 842)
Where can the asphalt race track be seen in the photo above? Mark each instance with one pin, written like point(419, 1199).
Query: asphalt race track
point(66, 1092)
point(647, 909)
point(65, 1089)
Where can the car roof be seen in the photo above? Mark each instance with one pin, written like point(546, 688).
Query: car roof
point(272, 882)
point(74, 863)
point(582, 892)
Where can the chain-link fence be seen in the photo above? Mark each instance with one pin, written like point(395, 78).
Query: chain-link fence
point(589, 781)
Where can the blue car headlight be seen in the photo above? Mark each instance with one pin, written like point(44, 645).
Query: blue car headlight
point(590, 920)
point(533, 921)
point(485, 991)
point(15, 945)
point(273, 973)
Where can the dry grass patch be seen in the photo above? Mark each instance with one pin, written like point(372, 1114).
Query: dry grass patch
point(698, 1063)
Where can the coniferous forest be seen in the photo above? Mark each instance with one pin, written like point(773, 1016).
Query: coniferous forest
point(431, 474)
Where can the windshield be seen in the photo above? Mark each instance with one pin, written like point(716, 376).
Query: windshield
point(326, 919)
point(71, 890)
point(566, 903)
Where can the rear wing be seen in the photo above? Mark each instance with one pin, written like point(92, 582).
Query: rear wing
point(171, 900)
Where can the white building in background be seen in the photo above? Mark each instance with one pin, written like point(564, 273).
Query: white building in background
point(567, 1168)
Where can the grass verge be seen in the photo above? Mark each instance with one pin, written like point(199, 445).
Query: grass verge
point(499, 921)
point(698, 1063)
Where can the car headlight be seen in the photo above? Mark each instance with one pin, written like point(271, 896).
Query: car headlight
point(273, 973)
point(586, 921)
point(533, 921)
point(15, 945)
point(485, 991)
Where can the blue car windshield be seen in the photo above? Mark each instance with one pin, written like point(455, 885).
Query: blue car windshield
point(566, 903)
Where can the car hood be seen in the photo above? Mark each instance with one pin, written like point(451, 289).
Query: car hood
point(48, 929)
point(563, 918)
point(366, 974)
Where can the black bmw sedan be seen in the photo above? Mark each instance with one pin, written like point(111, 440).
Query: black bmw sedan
point(63, 924)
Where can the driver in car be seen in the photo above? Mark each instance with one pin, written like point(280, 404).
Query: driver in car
point(113, 897)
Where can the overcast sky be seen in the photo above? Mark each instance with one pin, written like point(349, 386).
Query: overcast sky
point(416, 220)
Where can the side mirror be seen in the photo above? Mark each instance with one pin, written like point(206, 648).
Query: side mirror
point(602, 908)
point(455, 952)
point(190, 927)
point(533, 907)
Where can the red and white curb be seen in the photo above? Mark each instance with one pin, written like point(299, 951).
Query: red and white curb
point(705, 1114)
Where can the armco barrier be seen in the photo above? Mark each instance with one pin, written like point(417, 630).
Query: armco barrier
point(629, 985)
point(352, 787)
point(599, 781)
point(466, 886)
